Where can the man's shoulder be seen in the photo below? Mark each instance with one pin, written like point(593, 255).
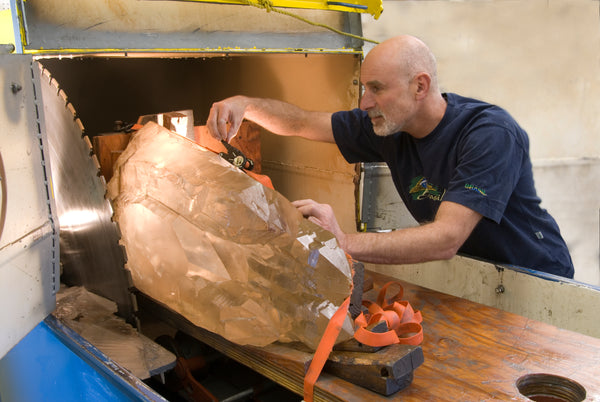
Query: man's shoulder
point(346, 121)
point(465, 103)
point(471, 109)
point(356, 113)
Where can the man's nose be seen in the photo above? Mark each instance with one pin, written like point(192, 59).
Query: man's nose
point(366, 101)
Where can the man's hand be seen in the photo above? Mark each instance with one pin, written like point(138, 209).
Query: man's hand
point(226, 116)
point(281, 118)
point(322, 215)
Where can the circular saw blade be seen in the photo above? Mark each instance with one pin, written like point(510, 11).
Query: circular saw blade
point(90, 253)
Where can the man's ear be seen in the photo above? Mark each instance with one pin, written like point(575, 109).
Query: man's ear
point(423, 81)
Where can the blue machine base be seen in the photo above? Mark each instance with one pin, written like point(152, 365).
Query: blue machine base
point(52, 363)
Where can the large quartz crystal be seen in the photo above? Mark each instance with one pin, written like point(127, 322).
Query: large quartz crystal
point(221, 249)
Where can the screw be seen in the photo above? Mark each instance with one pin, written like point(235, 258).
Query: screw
point(15, 88)
point(238, 161)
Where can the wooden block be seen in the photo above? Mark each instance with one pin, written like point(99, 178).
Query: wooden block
point(108, 148)
point(385, 371)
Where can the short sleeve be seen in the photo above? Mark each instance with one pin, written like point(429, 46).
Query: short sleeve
point(490, 159)
point(353, 134)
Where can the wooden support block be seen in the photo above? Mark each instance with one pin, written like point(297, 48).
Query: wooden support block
point(385, 371)
point(108, 148)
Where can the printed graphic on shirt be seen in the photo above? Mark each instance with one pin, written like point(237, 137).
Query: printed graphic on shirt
point(421, 189)
point(473, 187)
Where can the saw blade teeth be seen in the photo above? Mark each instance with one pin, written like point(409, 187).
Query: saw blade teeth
point(103, 180)
point(88, 143)
point(72, 110)
point(112, 209)
point(98, 170)
point(81, 127)
point(54, 84)
point(45, 73)
point(122, 247)
point(63, 96)
point(118, 229)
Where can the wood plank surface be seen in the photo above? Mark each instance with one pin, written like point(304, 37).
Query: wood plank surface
point(472, 353)
point(475, 352)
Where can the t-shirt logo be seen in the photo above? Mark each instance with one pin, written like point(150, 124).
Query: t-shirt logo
point(475, 188)
point(421, 189)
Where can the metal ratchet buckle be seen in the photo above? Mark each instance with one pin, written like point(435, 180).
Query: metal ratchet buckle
point(236, 157)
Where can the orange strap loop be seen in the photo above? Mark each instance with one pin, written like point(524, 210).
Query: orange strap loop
point(326, 344)
point(404, 324)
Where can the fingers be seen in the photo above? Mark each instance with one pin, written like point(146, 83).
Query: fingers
point(306, 207)
point(321, 214)
point(211, 123)
point(224, 119)
point(234, 127)
point(299, 203)
point(316, 221)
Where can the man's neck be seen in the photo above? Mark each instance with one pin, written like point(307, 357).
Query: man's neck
point(432, 114)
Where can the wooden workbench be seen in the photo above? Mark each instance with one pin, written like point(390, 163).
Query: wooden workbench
point(472, 353)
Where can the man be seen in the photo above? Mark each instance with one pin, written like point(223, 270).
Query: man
point(461, 166)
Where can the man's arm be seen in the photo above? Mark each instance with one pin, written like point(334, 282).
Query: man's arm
point(276, 116)
point(437, 240)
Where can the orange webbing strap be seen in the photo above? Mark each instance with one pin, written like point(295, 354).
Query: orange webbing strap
point(404, 324)
point(324, 349)
point(261, 178)
point(334, 326)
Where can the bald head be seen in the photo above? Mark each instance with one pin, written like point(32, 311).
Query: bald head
point(400, 89)
point(406, 56)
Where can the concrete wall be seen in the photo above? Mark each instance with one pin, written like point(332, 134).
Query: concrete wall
point(540, 60)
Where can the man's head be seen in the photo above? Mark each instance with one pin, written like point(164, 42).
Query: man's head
point(400, 86)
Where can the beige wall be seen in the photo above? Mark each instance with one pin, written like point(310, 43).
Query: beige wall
point(540, 60)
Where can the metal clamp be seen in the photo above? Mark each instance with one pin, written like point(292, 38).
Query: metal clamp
point(236, 157)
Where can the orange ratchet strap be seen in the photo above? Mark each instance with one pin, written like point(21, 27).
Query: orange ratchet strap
point(261, 178)
point(324, 349)
point(403, 322)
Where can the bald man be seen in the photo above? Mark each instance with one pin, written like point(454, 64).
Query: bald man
point(461, 166)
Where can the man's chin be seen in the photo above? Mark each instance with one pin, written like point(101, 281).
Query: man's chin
point(381, 126)
point(382, 131)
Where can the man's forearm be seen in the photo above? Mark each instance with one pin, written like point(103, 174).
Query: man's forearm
point(403, 246)
point(286, 119)
point(279, 117)
point(437, 240)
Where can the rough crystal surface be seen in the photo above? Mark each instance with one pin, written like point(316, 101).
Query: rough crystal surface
point(219, 248)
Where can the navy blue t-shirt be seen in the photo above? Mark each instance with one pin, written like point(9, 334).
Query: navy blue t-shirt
point(477, 156)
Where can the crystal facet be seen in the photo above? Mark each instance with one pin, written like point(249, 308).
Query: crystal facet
point(221, 249)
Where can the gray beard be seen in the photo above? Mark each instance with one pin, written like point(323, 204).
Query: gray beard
point(385, 129)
